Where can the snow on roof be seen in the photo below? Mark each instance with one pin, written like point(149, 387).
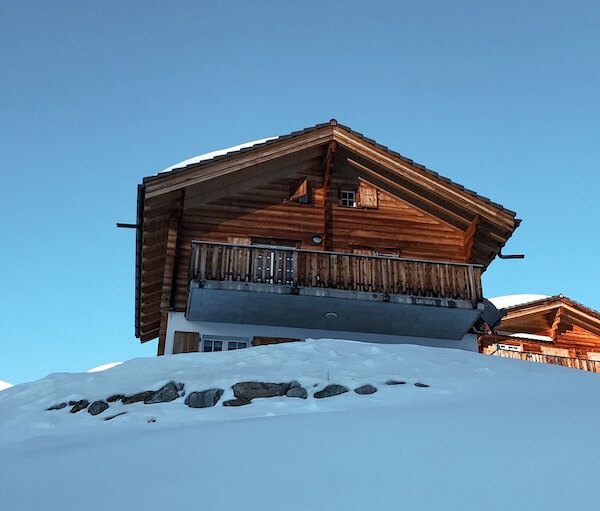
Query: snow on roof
point(214, 154)
point(104, 367)
point(524, 335)
point(4, 385)
point(503, 302)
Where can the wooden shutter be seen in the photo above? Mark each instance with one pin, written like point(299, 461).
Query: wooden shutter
point(299, 190)
point(261, 341)
point(185, 342)
point(367, 196)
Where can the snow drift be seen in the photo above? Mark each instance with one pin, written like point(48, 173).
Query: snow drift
point(488, 433)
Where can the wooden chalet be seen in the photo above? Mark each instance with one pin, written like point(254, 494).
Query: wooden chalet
point(322, 232)
point(554, 330)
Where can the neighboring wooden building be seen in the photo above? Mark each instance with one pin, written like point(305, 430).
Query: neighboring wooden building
point(322, 232)
point(550, 329)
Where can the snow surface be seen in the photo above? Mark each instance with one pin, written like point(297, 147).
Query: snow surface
point(4, 385)
point(488, 434)
point(104, 367)
point(214, 154)
point(502, 302)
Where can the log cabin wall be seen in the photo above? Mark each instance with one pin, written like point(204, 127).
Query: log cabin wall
point(265, 211)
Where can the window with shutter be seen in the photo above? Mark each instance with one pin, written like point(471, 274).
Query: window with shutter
point(299, 191)
point(185, 342)
point(367, 196)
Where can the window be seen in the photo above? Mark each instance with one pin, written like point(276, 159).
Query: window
point(299, 191)
point(510, 347)
point(348, 198)
point(224, 343)
point(212, 345)
point(236, 345)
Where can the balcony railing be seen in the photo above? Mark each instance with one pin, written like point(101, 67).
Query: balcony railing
point(584, 364)
point(321, 269)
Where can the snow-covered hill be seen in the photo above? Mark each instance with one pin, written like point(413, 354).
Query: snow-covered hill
point(4, 385)
point(486, 433)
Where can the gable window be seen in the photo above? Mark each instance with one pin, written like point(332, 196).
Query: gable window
point(299, 191)
point(348, 198)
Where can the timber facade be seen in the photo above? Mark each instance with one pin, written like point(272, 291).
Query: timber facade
point(554, 330)
point(321, 229)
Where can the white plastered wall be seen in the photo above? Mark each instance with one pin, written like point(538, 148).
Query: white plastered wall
point(178, 322)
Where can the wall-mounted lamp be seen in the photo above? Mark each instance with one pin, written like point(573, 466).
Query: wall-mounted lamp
point(317, 239)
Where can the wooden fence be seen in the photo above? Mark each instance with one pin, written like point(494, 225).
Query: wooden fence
point(312, 268)
point(576, 363)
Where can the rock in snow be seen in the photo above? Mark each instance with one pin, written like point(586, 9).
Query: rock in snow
point(395, 382)
point(331, 390)
point(203, 399)
point(248, 390)
point(136, 398)
point(59, 406)
point(165, 394)
point(236, 402)
point(366, 389)
point(97, 407)
point(78, 405)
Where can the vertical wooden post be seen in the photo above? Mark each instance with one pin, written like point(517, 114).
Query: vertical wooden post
point(327, 206)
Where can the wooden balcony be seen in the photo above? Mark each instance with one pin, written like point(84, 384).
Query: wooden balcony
point(576, 363)
point(298, 268)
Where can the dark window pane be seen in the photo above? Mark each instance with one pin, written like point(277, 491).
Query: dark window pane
point(232, 346)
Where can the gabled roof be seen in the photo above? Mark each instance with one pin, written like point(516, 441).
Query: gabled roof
point(555, 310)
point(207, 158)
point(547, 302)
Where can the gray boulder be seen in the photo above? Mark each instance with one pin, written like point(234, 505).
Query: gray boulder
point(395, 382)
point(136, 398)
point(115, 397)
point(97, 407)
point(421, 385)
point(248, 390)
point(165, 394)
point(236, 402)
point(203, 399)
point(331, 390)
point(59, 406)
point(79, 405)
point(297, 392)
point(366, 389)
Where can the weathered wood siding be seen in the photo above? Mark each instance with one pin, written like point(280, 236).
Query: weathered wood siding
point(265, 212)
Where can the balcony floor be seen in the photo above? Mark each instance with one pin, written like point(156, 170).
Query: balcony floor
point(275, 305)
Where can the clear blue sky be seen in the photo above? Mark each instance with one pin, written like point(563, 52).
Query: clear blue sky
point(502, 97)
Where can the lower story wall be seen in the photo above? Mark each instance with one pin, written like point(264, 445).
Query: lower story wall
point(239, 332)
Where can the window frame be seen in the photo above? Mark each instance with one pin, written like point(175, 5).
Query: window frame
point(354, 192)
